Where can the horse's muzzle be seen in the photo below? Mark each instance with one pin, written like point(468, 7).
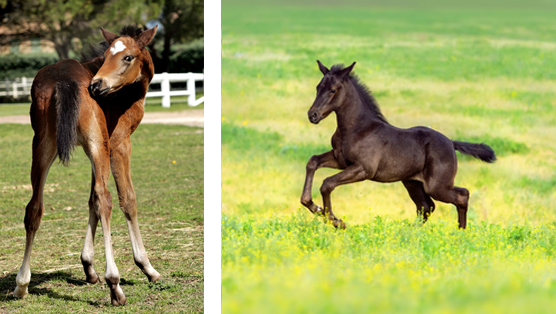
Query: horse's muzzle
point(314, 117)
point(96, 89)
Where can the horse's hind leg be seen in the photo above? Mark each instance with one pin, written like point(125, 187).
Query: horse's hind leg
point(457, 196)
point(425, 205)
point(351, 174)
point(88, 252)
point(44, 153)
point(462, 202)
point(120, 164)
point(317, 161)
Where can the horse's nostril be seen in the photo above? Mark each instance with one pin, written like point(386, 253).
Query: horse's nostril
point(94, 87)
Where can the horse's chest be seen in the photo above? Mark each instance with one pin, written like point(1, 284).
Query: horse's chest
point(343, 152)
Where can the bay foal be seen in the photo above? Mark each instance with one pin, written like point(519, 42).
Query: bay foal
point(95, 104)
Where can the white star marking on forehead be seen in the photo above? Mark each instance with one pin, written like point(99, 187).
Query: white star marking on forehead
point(117, 47)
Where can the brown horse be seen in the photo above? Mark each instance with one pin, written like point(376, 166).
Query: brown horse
point(366, 147)
point(97, 105)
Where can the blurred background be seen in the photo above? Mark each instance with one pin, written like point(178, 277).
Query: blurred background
point(477, 71)
point(482, 71)
point(36, 33)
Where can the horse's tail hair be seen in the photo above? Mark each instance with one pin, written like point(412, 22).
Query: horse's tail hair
point(67, 115)
point(481, 151)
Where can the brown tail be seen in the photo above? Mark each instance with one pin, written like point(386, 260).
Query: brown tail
point(67, 115)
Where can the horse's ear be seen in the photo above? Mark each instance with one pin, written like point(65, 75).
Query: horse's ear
point(146, 37)
point(345, 72)
point(322, 68)
point(109, 36)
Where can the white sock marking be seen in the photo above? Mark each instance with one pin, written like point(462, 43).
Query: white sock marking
point(117, 47)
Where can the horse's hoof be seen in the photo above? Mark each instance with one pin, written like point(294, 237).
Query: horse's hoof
point(21, 292)
point(117, 296)
point(154, 277)
point(92, 279)
point(338, 223)
point(319, 211)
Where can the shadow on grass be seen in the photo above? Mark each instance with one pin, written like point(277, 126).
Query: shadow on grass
point(7, 285)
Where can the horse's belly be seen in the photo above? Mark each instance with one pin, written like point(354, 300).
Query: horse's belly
point(388, 174)
point(396, 166)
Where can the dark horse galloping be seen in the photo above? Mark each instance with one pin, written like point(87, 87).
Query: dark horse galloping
point(96, 104)
point(366, 147)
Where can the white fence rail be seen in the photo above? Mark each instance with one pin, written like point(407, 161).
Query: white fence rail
point(166, 78)
point(19, 88)
point(22, 87)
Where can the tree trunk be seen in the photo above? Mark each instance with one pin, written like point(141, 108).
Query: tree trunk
point(62, 45)
point(166, 51)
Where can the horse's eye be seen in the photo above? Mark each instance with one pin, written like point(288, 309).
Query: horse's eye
point(332, 91)
point(128, 58)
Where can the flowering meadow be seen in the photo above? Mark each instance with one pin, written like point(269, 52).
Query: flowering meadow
point(484, 73)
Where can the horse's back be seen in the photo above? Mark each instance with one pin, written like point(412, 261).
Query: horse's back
point(61, 71)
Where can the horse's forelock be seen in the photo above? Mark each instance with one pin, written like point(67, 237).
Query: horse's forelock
point(131, 31)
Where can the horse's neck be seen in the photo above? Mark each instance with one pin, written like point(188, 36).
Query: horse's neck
point(354, 112)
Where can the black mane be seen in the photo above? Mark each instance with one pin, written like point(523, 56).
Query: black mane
point(98, 51)
point(364, 92)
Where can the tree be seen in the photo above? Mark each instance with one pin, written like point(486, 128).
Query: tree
point(182, 21)
point(60, 21)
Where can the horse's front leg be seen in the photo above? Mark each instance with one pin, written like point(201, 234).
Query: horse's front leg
point(120, 163)
point(351, 174)
point(97, 149)
point(317, 161)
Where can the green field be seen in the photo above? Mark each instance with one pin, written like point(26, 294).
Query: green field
point(481, 74)
point(167, 172)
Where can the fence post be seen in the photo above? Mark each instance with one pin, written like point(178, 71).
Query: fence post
point(165, 87)
point(191, 89)
point(24, 85)
point(14, 89)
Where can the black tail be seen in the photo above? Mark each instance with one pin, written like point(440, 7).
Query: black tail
point(481, 151)
point(67, 115)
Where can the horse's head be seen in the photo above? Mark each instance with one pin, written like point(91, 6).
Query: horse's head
point(331, 92)
point(124, 62)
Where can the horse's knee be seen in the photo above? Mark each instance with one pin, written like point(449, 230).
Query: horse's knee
point(312, 164)
point(462, 197)
point(327, 186)
point(101, 200)
point(128, 204)
point(33, 215)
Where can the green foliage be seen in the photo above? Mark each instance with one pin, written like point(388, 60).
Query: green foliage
point(385, 266)
point(189, 58)
point(18, 65)
point(61, 21)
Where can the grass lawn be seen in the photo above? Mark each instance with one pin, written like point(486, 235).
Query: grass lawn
point(167, 172)
point(482, 74)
